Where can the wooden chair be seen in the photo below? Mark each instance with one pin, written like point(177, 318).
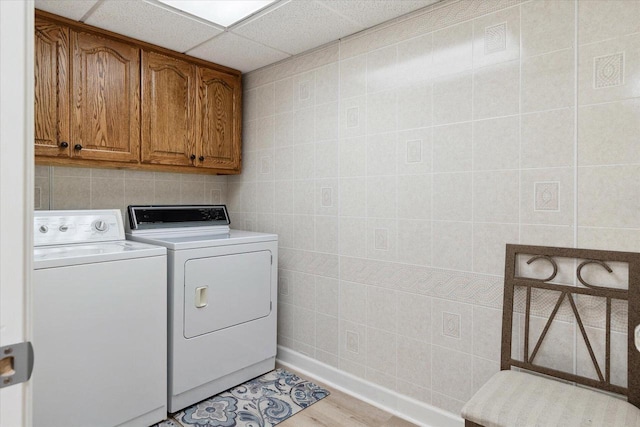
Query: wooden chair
point(515, 398)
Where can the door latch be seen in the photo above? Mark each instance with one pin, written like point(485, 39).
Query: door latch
point(16, 364)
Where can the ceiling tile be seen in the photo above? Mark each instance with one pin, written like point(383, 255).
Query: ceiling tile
point(297, 26)
point(373, 12)
point(72, 9)
point(237, 52)
point(152, 23)
point(287, 28)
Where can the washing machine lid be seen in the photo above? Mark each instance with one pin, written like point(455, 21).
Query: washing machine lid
point(181, 239)
point(77, 254)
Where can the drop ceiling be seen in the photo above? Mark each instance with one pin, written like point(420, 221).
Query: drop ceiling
point(282, 29)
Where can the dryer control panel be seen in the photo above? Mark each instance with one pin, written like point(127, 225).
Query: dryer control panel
point(81, 226)
point(177, 216)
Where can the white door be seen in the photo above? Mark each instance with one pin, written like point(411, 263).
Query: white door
point(16, 191)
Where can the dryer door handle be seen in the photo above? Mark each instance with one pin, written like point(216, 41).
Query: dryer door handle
point(202, 297)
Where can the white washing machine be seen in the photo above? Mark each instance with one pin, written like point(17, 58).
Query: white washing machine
point(99, 323)
point(222, 298)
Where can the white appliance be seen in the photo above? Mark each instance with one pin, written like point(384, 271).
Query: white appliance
point(99, 323)
point(222, 298)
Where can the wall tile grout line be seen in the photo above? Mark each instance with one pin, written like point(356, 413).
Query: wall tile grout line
point(575, 160)
point(339, 203)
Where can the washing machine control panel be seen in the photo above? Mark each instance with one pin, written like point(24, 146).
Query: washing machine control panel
point(64, 227)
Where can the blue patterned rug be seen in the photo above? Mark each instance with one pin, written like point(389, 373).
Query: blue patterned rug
point(262, 402)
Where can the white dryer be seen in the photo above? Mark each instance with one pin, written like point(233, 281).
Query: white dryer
point(99, 323)
point(222, 298)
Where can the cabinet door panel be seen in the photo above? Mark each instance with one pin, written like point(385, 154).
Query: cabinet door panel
point(106, 88)
point(51, 109)
point(168, 106)
point(219, 121)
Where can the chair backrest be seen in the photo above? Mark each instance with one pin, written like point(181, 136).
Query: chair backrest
point(630, 297)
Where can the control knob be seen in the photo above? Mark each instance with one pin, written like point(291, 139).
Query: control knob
point(100, 225)
point(43, 228)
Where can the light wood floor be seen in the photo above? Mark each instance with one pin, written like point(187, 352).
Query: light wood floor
point(340, 409)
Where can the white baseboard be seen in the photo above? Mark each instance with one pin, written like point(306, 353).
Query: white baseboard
point(388, 400)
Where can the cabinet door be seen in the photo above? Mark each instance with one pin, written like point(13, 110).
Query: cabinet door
point(168, 110)
point(106, 99)
point(219, 120)
point(51, 112)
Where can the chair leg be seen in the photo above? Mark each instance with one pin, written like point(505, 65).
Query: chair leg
point(468, 423)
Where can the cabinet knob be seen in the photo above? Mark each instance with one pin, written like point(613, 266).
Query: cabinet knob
point(64, 144)
point(192, 157)
point(201, 158)
point(77, 147)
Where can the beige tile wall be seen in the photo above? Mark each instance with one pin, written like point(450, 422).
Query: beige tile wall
point(84, 188)
point(395, 165)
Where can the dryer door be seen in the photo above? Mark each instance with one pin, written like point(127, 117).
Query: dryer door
point(226, 290)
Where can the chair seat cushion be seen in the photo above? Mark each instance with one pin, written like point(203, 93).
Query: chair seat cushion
point(519, 399)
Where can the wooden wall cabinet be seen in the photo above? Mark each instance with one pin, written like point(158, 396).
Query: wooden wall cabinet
point(104, 100)
point(219, 120)
point(51, 133)
point(190, 114)
point(168, 110)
